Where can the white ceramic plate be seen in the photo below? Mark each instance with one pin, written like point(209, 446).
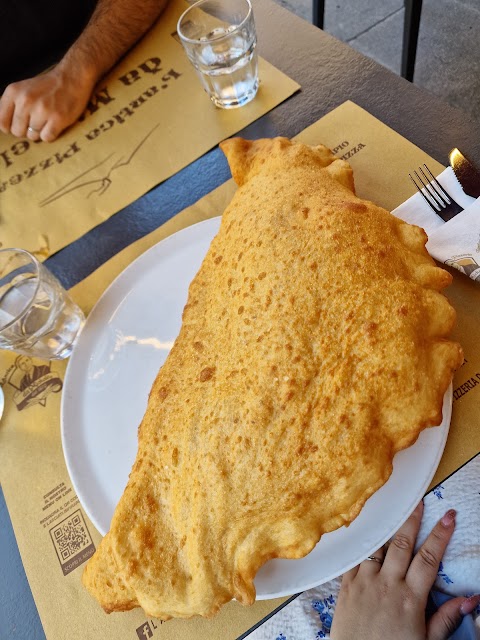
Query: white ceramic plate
point(123, 344)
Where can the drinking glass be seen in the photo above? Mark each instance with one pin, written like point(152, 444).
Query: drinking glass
point(220, 41)
point(37, 316)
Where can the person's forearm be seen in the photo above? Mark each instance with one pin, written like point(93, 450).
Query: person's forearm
point(44, 106)
point(115, 26)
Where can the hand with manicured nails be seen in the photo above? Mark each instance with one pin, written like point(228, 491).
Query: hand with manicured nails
point(387, 599)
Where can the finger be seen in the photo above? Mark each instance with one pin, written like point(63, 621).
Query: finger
point(34, 130)
point(424, 567)
point(400, 551)
point(39, 116)
point(52, 129)
point(447, 619)
point(348, 576)
point(20, 121)
point(7, 108)
point(373, 564)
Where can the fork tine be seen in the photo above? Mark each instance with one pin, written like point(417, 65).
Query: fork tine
point(436, 183)
point(420, 191)
point(437, 198)
point(429, 189)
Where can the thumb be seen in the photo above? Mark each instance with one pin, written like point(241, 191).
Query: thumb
point(448, 618)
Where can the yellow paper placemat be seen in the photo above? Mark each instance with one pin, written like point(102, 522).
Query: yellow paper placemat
point(149, 119)
point(54, 535)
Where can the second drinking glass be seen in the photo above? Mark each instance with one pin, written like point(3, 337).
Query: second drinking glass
point(219, 38)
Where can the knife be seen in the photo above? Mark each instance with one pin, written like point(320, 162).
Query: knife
point(467, 174)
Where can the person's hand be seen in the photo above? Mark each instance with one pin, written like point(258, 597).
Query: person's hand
point(388, 598)
point(42, 107)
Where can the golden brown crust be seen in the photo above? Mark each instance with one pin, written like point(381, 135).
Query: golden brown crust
point(313, 348)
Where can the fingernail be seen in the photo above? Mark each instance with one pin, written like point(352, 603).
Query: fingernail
point(448, 518)
point(469, 605)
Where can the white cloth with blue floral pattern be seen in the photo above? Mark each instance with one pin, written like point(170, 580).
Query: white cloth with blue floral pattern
point(309, 616)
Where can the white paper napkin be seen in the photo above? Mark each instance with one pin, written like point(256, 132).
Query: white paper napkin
point(456, 242)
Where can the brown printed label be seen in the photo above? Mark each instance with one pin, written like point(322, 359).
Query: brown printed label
point(72, 541)
point(68, 529)
point(147, 629)
point(346, 151)
point(33, 381)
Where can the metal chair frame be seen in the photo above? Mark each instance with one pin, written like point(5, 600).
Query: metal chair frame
point(411, 26)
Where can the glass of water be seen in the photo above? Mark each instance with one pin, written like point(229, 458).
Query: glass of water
point(220, 40)
point(37, 316)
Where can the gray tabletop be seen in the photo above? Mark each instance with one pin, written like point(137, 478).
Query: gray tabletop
point(329, 73)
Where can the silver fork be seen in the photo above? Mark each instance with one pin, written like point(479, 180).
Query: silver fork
point(435, 195)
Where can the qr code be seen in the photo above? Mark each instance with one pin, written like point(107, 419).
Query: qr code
point(72, 542)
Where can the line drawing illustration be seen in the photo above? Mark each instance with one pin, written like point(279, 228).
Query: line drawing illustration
point(101, 184)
